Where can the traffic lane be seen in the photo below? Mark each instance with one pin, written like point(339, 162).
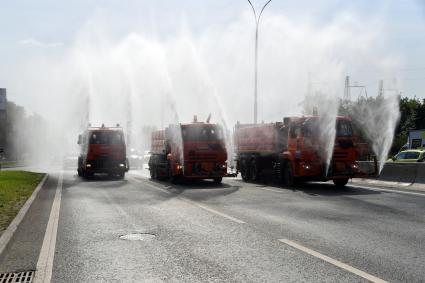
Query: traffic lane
point(22, 251)
point(381, 233)
point(191, 244)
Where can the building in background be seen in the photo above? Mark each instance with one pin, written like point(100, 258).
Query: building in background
point(3, 106)
point(416, 139)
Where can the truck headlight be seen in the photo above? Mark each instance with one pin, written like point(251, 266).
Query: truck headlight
point(88, 165)
point(305, 166)
point(122, 165)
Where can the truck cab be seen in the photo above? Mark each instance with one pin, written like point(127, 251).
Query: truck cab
point(299, 149)
point(102, 150)
point(307, 152)
point(204, 151)
point(193, 151)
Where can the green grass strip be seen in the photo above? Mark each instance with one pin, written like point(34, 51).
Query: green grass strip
point(15, 188)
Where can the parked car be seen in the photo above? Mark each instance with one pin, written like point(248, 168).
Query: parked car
point(411, 155)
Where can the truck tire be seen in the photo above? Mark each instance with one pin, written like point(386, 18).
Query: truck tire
point(175, 179)
point(154, 173)
point(86, 174)
point(340, 183)
point(244, 171)
point(254, 170)
point(79, 172)
point(218, 180)
point(288, 175)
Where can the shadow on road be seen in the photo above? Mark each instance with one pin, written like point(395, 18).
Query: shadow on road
point(199, 189)
point(98, 180)
point(315, 188)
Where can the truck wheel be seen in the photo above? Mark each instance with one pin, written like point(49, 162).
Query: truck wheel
point(121, 175)
point(244, 171)
point(340, 183)
point(218, 180)
point(288, 175)
point(79, 172)
point(175, 179)
point(154, 173)
point(254, 171)
point(86, 174)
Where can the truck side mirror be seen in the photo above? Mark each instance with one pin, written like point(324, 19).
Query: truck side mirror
point(79, 139)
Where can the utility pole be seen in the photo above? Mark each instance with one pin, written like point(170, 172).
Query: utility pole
point(347, 95)
point(348, 87)
point(381, 88)
point(257, 22)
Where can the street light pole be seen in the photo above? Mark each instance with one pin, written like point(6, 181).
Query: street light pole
point(257, 22)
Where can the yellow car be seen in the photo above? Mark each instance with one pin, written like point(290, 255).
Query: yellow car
point(410, 155)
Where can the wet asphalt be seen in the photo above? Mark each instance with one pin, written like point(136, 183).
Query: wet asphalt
point(205, 232)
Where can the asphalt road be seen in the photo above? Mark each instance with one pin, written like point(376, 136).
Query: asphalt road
point(233, 232)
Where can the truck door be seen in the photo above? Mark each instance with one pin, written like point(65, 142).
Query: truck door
point(294, 137)
point(282, 139)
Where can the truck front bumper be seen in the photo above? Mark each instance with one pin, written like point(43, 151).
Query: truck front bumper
point(106, 166)
point(204, 170)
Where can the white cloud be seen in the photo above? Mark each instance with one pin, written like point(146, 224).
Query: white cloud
point(37, 43)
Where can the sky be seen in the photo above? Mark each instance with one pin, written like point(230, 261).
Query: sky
point(34, 34)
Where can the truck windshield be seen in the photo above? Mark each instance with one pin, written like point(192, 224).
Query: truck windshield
point(106, 137)
point(311, 128)
point(201, 134)
point(343, 128)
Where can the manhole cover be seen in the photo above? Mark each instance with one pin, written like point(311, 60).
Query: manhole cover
point(138, 237)
point(15, 277)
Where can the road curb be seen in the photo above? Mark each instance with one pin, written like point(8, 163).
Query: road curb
point(406, 187)
point(11, 229)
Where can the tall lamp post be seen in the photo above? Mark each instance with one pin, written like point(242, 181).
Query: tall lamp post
point(257, 22)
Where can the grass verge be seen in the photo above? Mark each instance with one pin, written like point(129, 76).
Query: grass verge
point(8, 164)
point(15, 188)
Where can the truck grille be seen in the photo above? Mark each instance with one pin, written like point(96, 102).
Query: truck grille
point(340, 155)
point(104, 163)
point(202, 157)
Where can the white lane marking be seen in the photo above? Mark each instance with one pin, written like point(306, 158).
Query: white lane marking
point(11, 229)
point(212, 210)
point(44, 268)
point(268, 189)
point(387, 190)
point(335, 262)
point(196, 203)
